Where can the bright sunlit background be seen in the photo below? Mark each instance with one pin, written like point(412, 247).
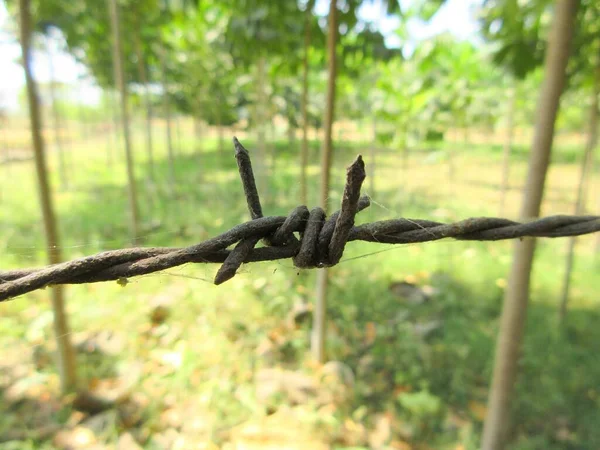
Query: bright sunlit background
point(441, 100)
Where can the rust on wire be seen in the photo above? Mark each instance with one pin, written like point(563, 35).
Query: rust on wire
point(321, 240)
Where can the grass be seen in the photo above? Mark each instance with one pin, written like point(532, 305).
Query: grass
point(194, 373)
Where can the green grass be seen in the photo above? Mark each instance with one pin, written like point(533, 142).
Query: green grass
point(202, 360)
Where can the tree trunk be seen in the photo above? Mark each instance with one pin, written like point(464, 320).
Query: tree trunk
point(261, 124)
point(304, 150)
point(109, 145)
point(319, 326)
point(507, 147)
point(141, 67)
point(5, 159)
point(62, 166)
point(167, 113)
point(112, 128)
point(586, 167)
point(65, 126)
point(597, 250)
point(178, 134)
point(119, 74)
point(451, 155)
point(65, 353)
point(114, 109)
point(221, 134)
point(340, 137)
point(85, 129)
point(272, 146)
point(372, 162)
point(291, 135)
point(405, 149)
point(198, 135)
point(515, 301)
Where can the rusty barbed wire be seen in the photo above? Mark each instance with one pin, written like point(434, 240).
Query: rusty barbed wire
point(321, 241)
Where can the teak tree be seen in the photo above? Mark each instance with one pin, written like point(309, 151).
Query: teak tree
point(318, 337)
point(517, 293)
point(143, 75)
point(119, 75)
point(60, 148)
point(305, 67)
point(586, 166)
point(65, 352)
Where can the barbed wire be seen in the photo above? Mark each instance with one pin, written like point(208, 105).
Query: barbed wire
point(321, 240)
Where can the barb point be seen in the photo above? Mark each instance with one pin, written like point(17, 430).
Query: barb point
point(358, 163)
point(358, 169)
point(239, 148)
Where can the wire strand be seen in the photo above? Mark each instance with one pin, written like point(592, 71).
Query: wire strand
point(321, 240)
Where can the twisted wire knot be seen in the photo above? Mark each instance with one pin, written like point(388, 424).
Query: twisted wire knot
point(322, 240)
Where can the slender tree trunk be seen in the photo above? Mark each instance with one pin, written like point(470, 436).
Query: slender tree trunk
point(512, 323)
point(319, 325)
point(272, 146)
point(109, 145)
point(167, 113)
point(65, 126)
point(373, 154)
point(116, 120)
point(451, 155)
point(198, 135)
point(507, 147)
point(221, 134)
point(261, 124)
point(112, 130)
point(119, 74)
point(66, 355)
point(304, 149)
point(85, 129)
point(5, 159)
point(178, 134)
point(597, 250)
point(141, 67)
point(586, 167)
point(291, 135)
point(62, 166)
point(405, 149)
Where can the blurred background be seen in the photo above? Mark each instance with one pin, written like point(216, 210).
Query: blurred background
point(121, 135)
